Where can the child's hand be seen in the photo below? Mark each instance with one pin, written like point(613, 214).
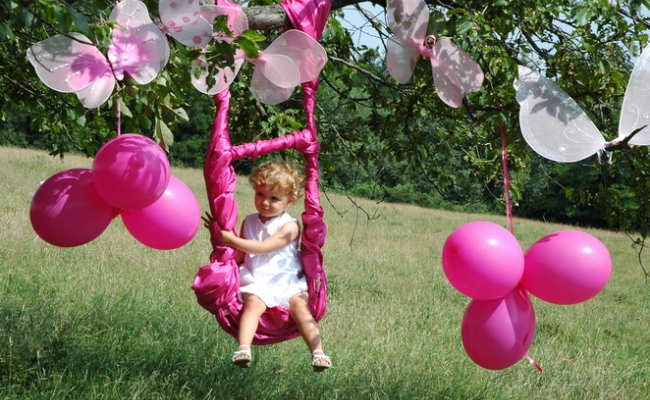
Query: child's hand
point(227, 238)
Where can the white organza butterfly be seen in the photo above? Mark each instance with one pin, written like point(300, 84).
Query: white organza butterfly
point(555, 126)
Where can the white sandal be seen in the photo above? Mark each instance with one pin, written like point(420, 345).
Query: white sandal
point(242, 357)
point(319, 356)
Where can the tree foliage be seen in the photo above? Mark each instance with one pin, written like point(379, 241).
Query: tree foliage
point(369, 125)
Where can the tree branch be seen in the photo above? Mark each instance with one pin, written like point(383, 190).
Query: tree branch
point(266, 18)
point(365, 72)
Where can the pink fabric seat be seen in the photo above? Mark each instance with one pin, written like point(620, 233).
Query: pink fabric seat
point(216, 285)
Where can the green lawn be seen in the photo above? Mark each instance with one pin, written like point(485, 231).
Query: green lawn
point(113, 319)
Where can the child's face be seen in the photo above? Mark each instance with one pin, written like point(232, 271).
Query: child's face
point(269, 203)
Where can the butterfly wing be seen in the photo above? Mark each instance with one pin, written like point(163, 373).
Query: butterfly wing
point(551, 121)
point(67, 63)
point(274, 78)
point(305, 52)
point(401, 59)
point(98, 92)
point(408, 20)
point(183, 21)
point(70, 63)
point(237, 24)
point(237, 21)
point(635, 111)
point(138, 47)
point(223, 78)
point(454, 72)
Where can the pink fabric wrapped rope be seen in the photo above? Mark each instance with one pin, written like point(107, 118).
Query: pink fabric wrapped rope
point(216, 285)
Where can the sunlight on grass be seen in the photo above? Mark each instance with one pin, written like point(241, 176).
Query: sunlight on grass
point(114, 319)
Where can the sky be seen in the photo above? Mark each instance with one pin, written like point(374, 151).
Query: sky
point(354, 21)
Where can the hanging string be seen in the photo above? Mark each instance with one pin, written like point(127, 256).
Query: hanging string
point(506, 179)
point(506, 193)
point(532, 362)
point(119, 111)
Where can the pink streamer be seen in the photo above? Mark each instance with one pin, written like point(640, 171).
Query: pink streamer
point(506, 179)
point(119, 112)
point(506, 188)
point(533, 363)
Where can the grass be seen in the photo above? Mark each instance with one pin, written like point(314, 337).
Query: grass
point(113, 319)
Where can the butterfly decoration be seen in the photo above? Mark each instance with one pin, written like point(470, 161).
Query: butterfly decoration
point(184, 21)
point(71, 63)
point(454, 71)
point(294, 57)
point(191, 23)
point(555, 126)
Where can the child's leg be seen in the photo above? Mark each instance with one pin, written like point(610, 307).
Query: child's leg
point(254, 307)
point(300, 314)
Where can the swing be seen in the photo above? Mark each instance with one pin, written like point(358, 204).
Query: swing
point(216, 285)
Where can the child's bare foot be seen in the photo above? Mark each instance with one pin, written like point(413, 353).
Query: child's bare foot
point(319, 361)
point(242, 357)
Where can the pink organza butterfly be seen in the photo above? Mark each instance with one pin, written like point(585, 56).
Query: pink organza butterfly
point(187, 21)
point(71, 63)
point(454, 71)
point(291, 59)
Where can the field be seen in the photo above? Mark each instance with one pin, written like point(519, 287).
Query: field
point(114, 319)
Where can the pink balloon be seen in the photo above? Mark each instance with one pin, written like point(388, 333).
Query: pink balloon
point(483, 260)
point(170, 222)
point(566, 267)
point(497, 333)
point(67, 211)
point(131, 171)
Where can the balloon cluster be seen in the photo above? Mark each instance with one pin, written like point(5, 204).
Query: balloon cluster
point(485, 262)
point(131, 177)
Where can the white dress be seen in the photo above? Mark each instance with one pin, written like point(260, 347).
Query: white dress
point(276, 276)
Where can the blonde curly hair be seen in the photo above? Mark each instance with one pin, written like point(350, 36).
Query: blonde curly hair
point(279, 176)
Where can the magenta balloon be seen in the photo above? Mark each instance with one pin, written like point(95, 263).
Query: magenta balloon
point(67, 211)
point(497, 333)
point(483, 260)
point(170, 222)
point(131, 171)
point(566, 267)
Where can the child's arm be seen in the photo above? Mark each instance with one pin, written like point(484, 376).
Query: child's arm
point(287, 234)
point(239, 255)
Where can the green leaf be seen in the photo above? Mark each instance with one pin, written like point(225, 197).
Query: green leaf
point(463, 26)
point(515, 191)
point(5, 31)
point(583, 16)
point(163, 134)
point(124, 109)
point(80, 20)
point(437, 23)
point(179, 113)
point(249, 47)
point(22, 19)
point(253, 36)
point(62, 18)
